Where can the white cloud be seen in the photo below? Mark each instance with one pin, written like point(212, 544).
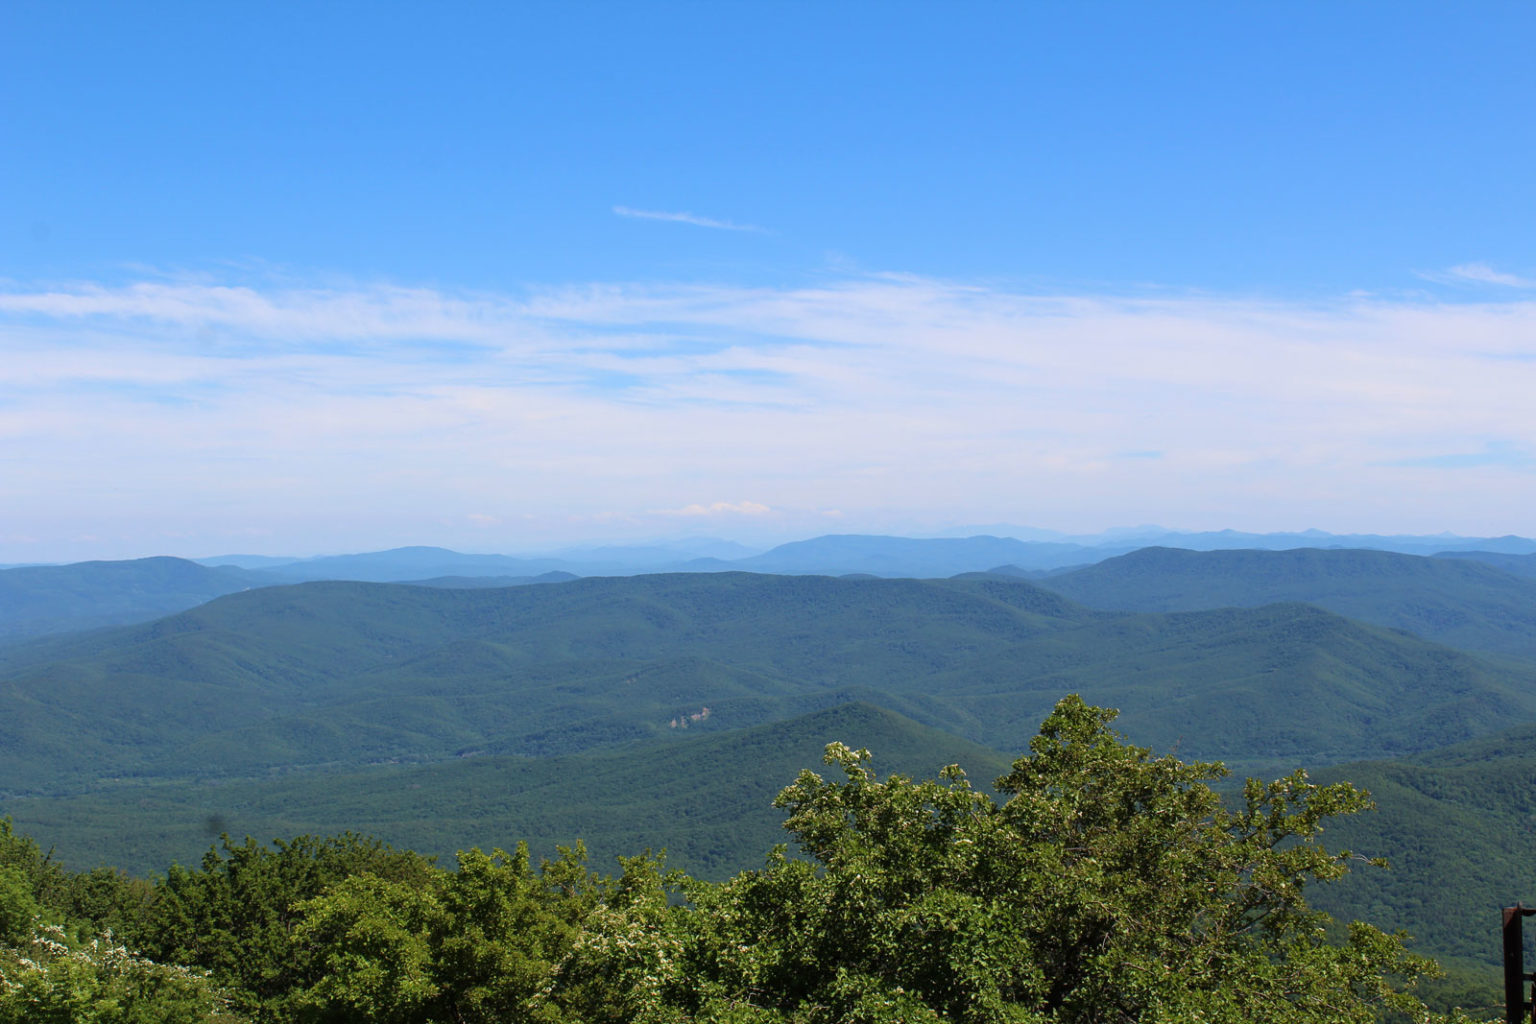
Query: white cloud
point(1482, 273)
point(719, 508)
point(683, 218)
point(375, 314)
point(884, 397)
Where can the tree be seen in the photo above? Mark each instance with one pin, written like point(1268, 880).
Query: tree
point(1110, 886)
point(478, 945)
point(373, 940)
point(237, 915)
point(52, 978)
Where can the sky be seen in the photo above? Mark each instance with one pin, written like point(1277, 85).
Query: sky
point(296, 279)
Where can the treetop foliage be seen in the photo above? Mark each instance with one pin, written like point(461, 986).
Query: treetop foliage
point(1111, 885)
point(1101, 884)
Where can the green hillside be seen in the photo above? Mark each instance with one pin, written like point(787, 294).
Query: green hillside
point(41, 599)
point(667, 710)
point(1453, 601)
point(707, 798)
point(1265, 689)
point(1457, 825)
point(339, 673)
point(1514, 564)
point(332, 675)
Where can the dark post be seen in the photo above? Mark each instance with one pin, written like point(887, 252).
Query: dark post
point(1515, 976)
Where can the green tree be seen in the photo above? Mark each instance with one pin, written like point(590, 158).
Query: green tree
point(51, 978)
point(484, 944)
point(237, 915)
point(19, 911)
point(373, 941)
point(37, 872)
point(624, 964)
point(1110, 886)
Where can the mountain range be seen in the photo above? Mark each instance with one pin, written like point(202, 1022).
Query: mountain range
point(38, 600)
point(665, 709)
point(1459, 602)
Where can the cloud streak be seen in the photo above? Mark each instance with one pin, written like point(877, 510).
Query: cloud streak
point(1494, 453)
point(684, 217)
point(1480, 273)
point(901, 401)
point(719, 508)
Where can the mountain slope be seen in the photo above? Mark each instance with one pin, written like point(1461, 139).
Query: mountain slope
point(350, 672)
point(1456, 825)
point(1514, 564)
point(1460, 603)
point(327, 675)
point(706, 798)
point(1265, 689)
point(42, 599)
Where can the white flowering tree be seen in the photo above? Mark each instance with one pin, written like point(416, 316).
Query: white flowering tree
point(48, 977)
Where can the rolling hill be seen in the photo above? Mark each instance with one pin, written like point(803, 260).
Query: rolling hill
point(41, 599)
point(1514, 564)
point(331, 675)
point(668, 709)
point(706, 798)
point(1456, 824)
point(1458, 602)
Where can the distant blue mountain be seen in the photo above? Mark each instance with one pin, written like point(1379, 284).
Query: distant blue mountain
point(1026, 550)
point(412, 563)
point(1459, 602)
point(1515, 565)
point(491, 582)
point(40, 599)
point(1130, 538)
point(922, 558)
point(247, 561)
point(36, 600)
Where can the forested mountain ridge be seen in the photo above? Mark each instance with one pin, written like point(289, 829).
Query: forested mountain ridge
point(1458, 825)
point(664, 709)
point(912, 900)
point(706, 797)
point(1468, 610)
point(1512, 563)
point(1459, 602)
point(349, 673)
point(36, 600)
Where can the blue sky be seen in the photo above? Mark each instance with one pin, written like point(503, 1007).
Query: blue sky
point(502, 277)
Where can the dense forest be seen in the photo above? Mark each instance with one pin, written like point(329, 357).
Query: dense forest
point(581, 722)
point(1103, 883)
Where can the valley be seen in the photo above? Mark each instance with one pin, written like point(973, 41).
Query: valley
point(665, 710)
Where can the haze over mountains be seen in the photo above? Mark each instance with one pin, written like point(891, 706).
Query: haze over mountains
point(36, 600)
point(1459, 602)
point(147, 704)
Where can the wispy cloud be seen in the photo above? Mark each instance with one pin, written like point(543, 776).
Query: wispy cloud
point(1480, 273)
point(1503, 454)
point(375, 313)
point(719, 508)
point(894, 399)
point(684, 218)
